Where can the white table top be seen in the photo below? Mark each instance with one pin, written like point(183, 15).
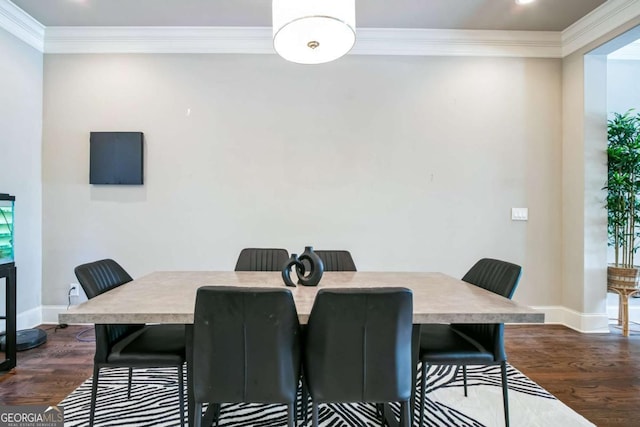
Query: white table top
point(169, 297)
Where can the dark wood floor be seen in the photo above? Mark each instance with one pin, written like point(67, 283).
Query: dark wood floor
point(47, 374)
point(596, 375)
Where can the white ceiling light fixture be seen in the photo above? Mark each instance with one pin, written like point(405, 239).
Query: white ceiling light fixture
point(524, 1)
point(313, 31)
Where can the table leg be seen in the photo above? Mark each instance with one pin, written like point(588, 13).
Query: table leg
point(190, 397)
point(388, 415)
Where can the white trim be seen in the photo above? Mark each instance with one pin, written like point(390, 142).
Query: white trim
point(50, 313)
point(29, 319)
point(586, 323)
point(257, 40)
point(606, 18)
point(553, 315)
point(19, 23)
point(370, 41)
point(158, 40)
point(426, 42)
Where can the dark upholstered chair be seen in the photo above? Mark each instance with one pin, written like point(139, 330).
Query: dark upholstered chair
point(131, 346)
point(471, 344)
point(259, 259)
point(333, 260)
point(336, 260)
point(358, 347)
point(246, 347)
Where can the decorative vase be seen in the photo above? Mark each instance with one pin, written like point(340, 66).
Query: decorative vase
point(286, 270)
point(312, 276)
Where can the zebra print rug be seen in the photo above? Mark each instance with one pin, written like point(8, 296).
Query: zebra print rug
point(154, 399)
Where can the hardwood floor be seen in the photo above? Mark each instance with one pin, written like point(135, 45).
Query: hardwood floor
point(595, 375)
point(47, 374)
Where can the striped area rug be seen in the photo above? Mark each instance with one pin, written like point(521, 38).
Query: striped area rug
point(154, 402)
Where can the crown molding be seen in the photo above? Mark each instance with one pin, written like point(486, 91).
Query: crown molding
point(611, 15)
point(257, 40)
point(253, 40)
point(427, 42)
point(371, 41)
point(19, 23)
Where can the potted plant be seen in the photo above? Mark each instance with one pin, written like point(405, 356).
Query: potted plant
point(623, 198)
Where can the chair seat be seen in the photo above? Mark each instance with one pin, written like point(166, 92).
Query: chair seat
point(441, 344)
point(153, 345)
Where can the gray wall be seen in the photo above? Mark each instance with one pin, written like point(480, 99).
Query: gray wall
point(412, 163)
point(20, 163)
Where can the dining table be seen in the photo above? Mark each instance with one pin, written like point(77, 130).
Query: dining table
point(169, 297)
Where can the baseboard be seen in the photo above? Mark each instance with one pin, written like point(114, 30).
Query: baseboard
point(587, 323)
point(50, 313)
point(29, 319)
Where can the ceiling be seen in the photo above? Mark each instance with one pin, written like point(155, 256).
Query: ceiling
point(542, 15)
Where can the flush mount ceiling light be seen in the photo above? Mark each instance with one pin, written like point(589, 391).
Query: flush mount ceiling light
point(524, 1)
point(313, 31)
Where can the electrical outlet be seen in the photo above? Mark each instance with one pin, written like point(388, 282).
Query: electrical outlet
point(74, 290)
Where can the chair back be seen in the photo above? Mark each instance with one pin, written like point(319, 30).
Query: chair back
point(358, 345)
point(97, 278)
point(260, 259)
point(246, 345)
point(337, 260)
point(101, 276)
point(499, 277)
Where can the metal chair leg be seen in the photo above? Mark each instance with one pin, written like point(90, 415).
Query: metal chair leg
point(464, 375)
point(94, 394)
point(380, 410)
point(181, 394)
point(423, 392)
point(305, 401)
point(405, 414)
point(197, 415)
point(505, 397)
point(296, 411)
point(130, 378)
point(291, 415)
point(314, 415)
point(216, 412)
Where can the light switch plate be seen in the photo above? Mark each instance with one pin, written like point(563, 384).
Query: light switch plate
point(519, 214)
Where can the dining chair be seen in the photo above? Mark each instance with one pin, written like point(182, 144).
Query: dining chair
point(246, 348)
point(471, 344)
point(261, 259)
point(336, 260)
point(333, 260)
point(129, 345)
point(358, 347)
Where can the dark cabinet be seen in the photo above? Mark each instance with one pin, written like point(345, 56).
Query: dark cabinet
point(8, 276)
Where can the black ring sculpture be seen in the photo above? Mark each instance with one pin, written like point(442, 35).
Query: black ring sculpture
point(305, 278)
